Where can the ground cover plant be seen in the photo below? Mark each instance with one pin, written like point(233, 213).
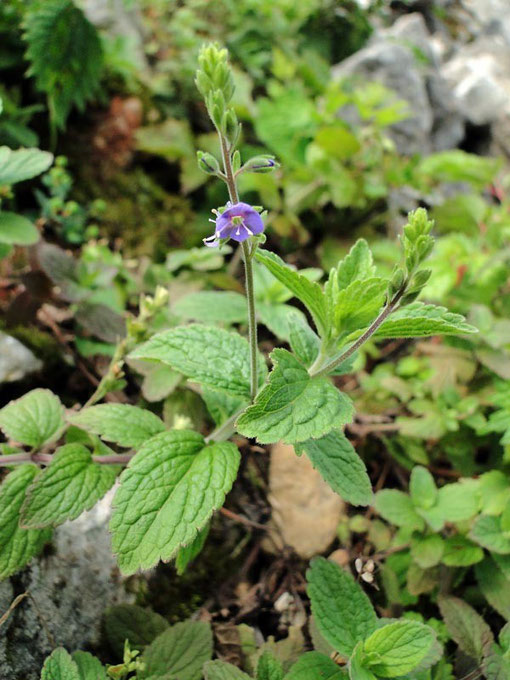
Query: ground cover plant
point(384, 362)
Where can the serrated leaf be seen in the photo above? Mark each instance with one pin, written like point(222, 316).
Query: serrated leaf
point(189, 552)
point(167, 493)
point(495, 586)
point(130, 622)
point(211, 356)
point(220, 670)
point(466, 627)
point(342, 611)
point(180, 651)
point(422, 487)
point(398, 648)
point(486, 531)
point(397, 507)
point(16, 166)
point(78, 60)
point(71, 484)
point(269, 668)
point(122, 424)
point(340, 466)
point(60, 666)
point(357, 668)
point(17, 230)
point(225, 307)
point(276, 318)
point(34, 419)
point(222, 405)
point(459, 551)
point(357, 264)
point(304, 342)
point(314, 665)
point(358, 304)
point(495, 666)
point(294, 407)
point(420, 580)
point(418, 320)
point(89, 667)
point(309, 292)
point(17, 546)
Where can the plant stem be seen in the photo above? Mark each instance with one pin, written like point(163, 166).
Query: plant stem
point(390, 307)
point(224, 431)
point(248, 269)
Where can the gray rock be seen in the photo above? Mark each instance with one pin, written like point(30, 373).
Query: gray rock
point(16, 360)
point(406, 60)
point(69, 587)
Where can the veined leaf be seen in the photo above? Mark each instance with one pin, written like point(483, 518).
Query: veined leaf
point(398, 648)
point(294, 407)
point(340, 466)
point(89, 667)
point(495, 586)
point(60, 666)
point(459, 551)
point(304, 342)
point(221, 670)
point(269, 668)
point(70, 484)
point(466, 627)
point(209, 306)
point(309, 292)
point(167, 493)
point(211, 356)
point(130, 622)
point(17, 546)
point(16, 166)
point(357, 264)
point(418, 320)
point(123, 424)
point(315, 665)
point(188, 553)
point(180, 651)
point(486, 531)
point(342, 611)
point(357, 305)
point(33, 419)
point(397, 507)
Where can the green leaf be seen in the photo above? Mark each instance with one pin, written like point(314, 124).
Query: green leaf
point(357, 305)
point(422, 488)
point(71, 484)
point(458, 166)
point(269, 668)
point(466, 627)
point(397, 507)
point(340, 466)
point(495, 586)
point(459, 551)
point(486, 531)
point(342, 611)
point(75, 55)
point(458, 502)
point(122, 424)
point(34, 419)
point(309, 292)
point(167, 493)
point(427, 551)
point(17, 546)
point(89, 667)
point(60, 666)
point(17, 230)
point(398, 648)
point(357, 668)
point(418, 320)
point(495, 666)
point(304, 342)
point(211, 356)
point(220, 670)
point(357, 264)
point(189, 552)
point(294, 407)
point(130, 622)
point(225, 307)
point(276, 317)
point(315, 666)
point(16, 166)
point(222, 405)
point(180, 651)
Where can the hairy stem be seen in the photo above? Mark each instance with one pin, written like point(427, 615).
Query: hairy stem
point(390, 307)
point(248, 269)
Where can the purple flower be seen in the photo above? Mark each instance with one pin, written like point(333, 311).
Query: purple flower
point(238, 222)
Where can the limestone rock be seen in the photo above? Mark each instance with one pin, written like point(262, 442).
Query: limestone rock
point(16, 360)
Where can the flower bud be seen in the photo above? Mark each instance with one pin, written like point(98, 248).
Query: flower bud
point(261, 164)
point(207, 163)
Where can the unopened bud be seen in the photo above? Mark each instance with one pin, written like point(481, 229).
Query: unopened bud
point(261, 164)
point(207, 163)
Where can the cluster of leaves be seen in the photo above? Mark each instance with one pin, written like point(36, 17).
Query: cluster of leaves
point(366, 647)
